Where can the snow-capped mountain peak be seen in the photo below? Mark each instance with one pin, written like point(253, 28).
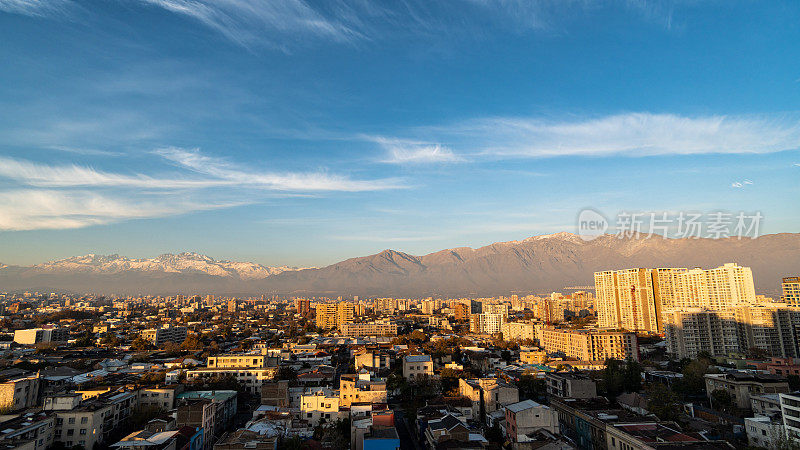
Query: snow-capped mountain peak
point(184, 263)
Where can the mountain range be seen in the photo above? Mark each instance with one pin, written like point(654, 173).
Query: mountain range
point(538, 264)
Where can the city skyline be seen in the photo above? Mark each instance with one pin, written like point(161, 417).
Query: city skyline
point(304, 133)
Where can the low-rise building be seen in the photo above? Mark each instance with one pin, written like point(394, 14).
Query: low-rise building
point(764, 431)
point(31, 431)
point(20, 392)
point(527, 416)
point(489, 394)
point(417, 366)
point(41, 335)
point(741, 385)
point(320, 407)
point(361, 388)
point(570, 385)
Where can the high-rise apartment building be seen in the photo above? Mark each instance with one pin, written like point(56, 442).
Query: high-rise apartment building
point(771, 327)
point(588, 345)
point(627, 299)
point(722, 287)
point(462, 312)
point(334, 315)
point(487, 323)
point(639, 299)
point(518, 331)
point(791, 291)
point(302, 306)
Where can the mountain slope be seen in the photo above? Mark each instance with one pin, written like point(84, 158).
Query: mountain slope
point(537, 264)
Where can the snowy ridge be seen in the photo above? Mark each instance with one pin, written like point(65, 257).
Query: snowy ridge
point(183, 263)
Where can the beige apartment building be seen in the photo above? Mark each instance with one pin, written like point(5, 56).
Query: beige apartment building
point(334, 315)
point(590, 345)
point(518, 331)
point(772, 327)
point(417, 366)
point(723, 287)
point(487, 323)
point(246, 360)
point(376, 328)
point(639, 299)
point(632, 298)
point(791, 291)
point(361, 388)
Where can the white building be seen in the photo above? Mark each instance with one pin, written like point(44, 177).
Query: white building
point(320, 407)
point(416, 366)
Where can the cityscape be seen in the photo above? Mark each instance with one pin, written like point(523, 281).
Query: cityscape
point(399, 225)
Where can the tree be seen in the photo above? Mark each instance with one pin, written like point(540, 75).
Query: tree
point(287, 373)
point(192, 342)
point(757, 353)
point(449, 379)
point(110, 340)
point(794, 382)
point(418, 336)
point(662, 402)
point(86, 340)
point(617, 377)
point(531, 387)
point(693, 383)
point(721, 400)
point(141, 344)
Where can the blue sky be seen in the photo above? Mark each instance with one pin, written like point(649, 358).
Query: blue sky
point(301, 133)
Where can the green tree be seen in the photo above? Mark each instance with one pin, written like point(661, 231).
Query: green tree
point(693, 383)
point(721, 400)
point(662, 402)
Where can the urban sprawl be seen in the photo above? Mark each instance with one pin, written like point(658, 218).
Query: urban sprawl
point(647, 358)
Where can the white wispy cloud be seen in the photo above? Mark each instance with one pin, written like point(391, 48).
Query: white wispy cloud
point(42, 175)
point(37, 209)
point(742, 184)
point(320, 181)
point(72, 196)
point(217, 173)
point(632, 134)
point(38, 8)
point(403, 151)
point(250, 22)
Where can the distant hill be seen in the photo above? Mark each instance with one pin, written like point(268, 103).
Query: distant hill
point(537, 264)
